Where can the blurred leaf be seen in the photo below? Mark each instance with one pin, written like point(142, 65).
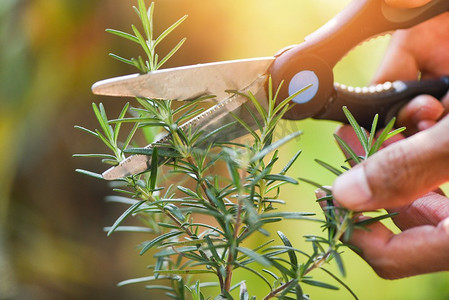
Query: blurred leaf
point(86, 130)
point(319, 284)
point(188, 191)
point(256, 273)
point(212, 249)
point(291, 253)
point(279, 177)
point(97, 155)
point(254, 255)
point(130, 229)
point(289, 215)
point(123, 35)
point(275, 145)
point(176, 272)
point(149, 152)
point(89, 173)
point(159, 287)
point(290, 163)
point(329, 167)
point(139, 280)
point(339, 262)
point(129, 211)
point(158, 239)
point(154, 169)
point(372, 220)
point(243, 295)
point(340, 282)
point(348, 149)
point(120, 199)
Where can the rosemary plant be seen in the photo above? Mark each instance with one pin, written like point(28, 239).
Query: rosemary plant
point(236, 205)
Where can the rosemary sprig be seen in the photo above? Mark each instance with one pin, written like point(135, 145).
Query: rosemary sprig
point(147, 40)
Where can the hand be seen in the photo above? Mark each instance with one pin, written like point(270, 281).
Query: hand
point(419, 51)
point(404, 177)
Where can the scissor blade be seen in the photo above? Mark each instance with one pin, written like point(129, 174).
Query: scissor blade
point(212, 119)
point(188, 82)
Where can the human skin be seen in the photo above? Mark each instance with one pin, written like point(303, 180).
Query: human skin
point(404, 176)
point(406, 3)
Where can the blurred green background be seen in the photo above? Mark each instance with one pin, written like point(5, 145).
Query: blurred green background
point(52, 245)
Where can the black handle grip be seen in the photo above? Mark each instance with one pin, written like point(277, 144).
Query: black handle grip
point(383, 99)
point(360, 20)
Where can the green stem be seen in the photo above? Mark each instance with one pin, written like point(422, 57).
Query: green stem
point(232, 249)
point(274, 292)
point(146, 196)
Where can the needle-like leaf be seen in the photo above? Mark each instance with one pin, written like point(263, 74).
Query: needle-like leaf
point(169, 30)
point(359, 131)
point(348, 149)
point(291, 253)
point(123, 35)
point(159, 239)
point(128, 212)
point(275, 145)
point(171, 53)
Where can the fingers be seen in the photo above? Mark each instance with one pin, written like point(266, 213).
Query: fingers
point(431, 209)
point(419, 250)
point(445, 103)
point(422, 247)
point(420, 50)
point(399, 63)
point(398, 174)
point(421, 113)
point(406, 3)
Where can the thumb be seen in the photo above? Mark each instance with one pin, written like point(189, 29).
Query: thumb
point(399, 173)
point(406, 3)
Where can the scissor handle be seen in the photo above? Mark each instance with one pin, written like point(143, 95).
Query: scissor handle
point(312, 61)
point(382, 99)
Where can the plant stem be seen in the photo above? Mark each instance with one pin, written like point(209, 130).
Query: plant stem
point(273, 293)
point(340, 231)
point(230, 260)
point(318, 263)
point(148, 197)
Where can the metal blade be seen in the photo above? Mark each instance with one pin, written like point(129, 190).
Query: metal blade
point(188, 82)
point(208, 121)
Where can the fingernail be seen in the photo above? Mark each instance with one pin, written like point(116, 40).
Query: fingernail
point(352, 190)
point(319, 193)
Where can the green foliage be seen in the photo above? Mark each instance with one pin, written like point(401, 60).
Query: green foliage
point(341, 222)
point(236, 204)
point(147, 40)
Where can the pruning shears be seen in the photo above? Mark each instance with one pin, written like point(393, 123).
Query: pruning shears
point(307, 66)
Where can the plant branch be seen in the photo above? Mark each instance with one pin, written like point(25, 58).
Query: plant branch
point(274, 292)
point(229, 263)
